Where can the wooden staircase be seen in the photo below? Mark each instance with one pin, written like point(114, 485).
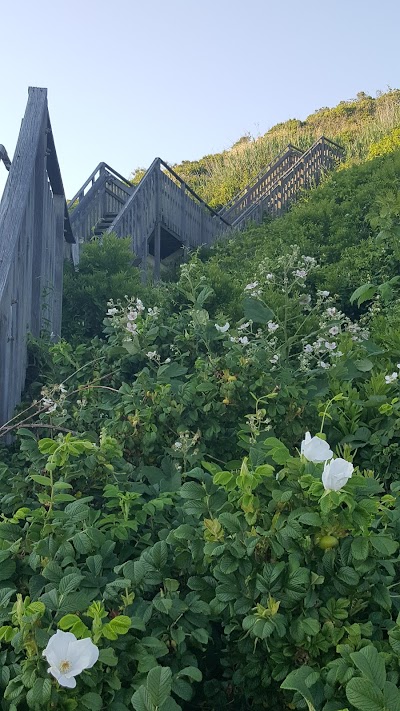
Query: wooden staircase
point(97, 203)
point(163, 214)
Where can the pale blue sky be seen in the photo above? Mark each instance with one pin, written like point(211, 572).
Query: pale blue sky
point(132, 80)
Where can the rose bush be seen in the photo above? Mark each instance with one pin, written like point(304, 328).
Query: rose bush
point(162, 504)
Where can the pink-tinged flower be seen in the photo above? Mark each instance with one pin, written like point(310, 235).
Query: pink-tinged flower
point(336, 474)
point(315, 449)
point(68, 657)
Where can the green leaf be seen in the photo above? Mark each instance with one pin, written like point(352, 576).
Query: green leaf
point(170, 370)
point(159, 554)
point(39, 695)
point(40, 479)
point(364, 695)
point(310, 626)
point(69, 583)
point(92, 701)
point(360, 548)
point(120, 624)
point(364, 365)
point(192, 490)
point(255, 311)
point(141, 700)
point(107, 656)
point(365, 292)
point(74, 624)
point(159, 684)
point(391, 695)
point(192, 672)
point(384, 545)
point(170, 705)
point(277, 450)
point(231, 522)
point(348, 576)
point(370, 664)
point(300, 680)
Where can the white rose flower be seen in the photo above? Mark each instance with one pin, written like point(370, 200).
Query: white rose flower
point(391, 378)
point(336, 474)
point(315, 449)
point(68, 657)
point(222, 329)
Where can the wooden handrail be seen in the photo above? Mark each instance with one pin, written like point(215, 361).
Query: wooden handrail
point(260, 176)
point(245, 216)
point(101, 166)
point(4, 157)
point(192, 192)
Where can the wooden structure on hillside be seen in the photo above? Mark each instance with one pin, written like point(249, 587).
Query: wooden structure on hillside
point(34, 224)
point(163, 215)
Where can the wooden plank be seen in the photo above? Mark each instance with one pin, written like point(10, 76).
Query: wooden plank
point(32, 225)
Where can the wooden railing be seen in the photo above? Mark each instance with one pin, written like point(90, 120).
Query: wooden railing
point(105, 192)
point(4, 157)
point(261, 184)
point(163, 201)
point(33, 224)
point(163, 214)
point(306, 172)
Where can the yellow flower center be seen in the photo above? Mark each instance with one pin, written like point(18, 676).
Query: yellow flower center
point(64, 666)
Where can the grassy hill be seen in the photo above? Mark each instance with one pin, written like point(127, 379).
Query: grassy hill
point(356, 125)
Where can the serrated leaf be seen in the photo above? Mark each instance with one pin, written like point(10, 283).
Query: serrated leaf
point(364, 695)
point(159, 554)
point(391, 695)
point(360, 548)
point(69, 583)
point(370, 664)
point(299, 680)
point(384, 545)
point(158, 684)
point(141, 700)
point(192, 490)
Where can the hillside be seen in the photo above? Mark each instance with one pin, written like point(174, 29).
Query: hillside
point(356, 125)
point(200, 508)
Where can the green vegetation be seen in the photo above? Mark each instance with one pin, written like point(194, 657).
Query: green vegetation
point(161, 496)
point(355, 125)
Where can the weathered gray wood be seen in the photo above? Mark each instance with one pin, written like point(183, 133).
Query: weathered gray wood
point(4, 157)
point(162, 202)
point(32, 231)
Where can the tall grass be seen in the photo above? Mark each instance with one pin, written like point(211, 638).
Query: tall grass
point(355, 125)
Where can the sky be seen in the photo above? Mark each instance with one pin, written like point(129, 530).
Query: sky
point(131, 80)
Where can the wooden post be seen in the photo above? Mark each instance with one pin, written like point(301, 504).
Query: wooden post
point(157, 229)
point(183, 222)
point(59, 202)
point(38, 236)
